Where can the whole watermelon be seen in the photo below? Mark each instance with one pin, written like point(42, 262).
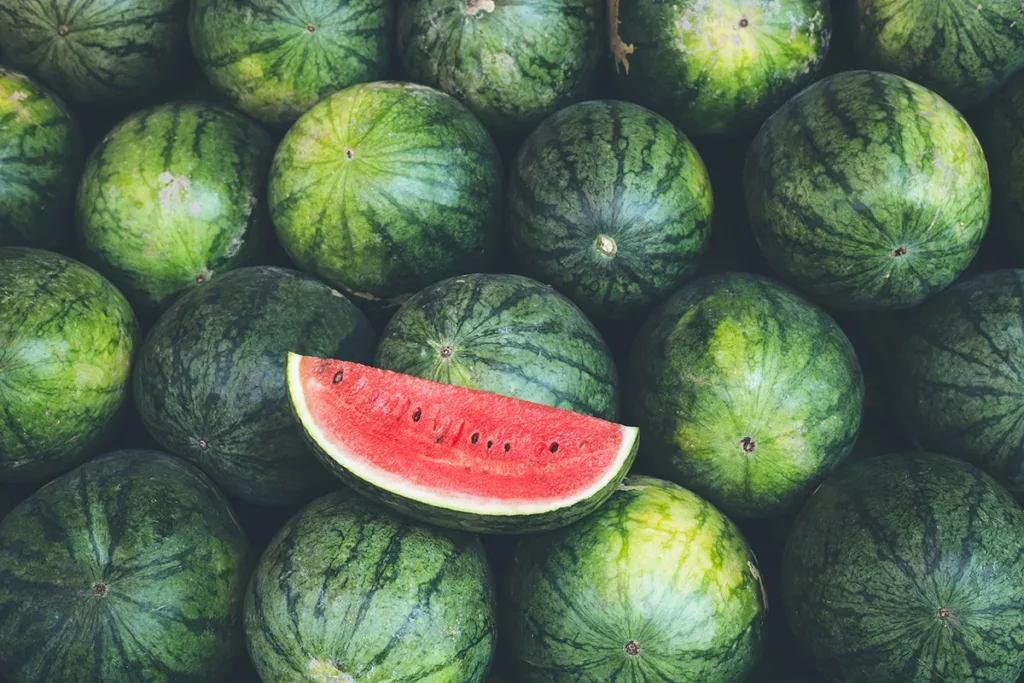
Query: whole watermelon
point(210, 378)
point(1000, 127)
point(718, 68)
point(172, 197)
point(611, 204)
point(67, 337)
point(384, 188)
point(962, 50)
point(129, 568)
point(744, 392)
point(961, 374)
point(41, 154)
point(274, 61)
point(100, 52)
point(657, 585)
point(506, 334)
point(868, 191)
point(348, 591)
point(906, 568)
point(512, 62)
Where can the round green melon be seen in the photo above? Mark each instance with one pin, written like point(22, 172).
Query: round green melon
point(210, 378)
point(718, 68)
point(744, 392)
point(868, 191)
point(505, 334)
point(512, 62)
point(348, 591)
point(962, 50)
point(129, 568)
point(611, 204)
point(173, 197)
point(657, 585)
point(1000, 128)
point(906, 568)
point(275, 60)
point(961, 374)
point(67, 337)
point(41, 154)
point(106, 53)
point(384, 188)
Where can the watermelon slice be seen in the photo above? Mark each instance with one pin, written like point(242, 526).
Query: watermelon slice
point(453, 456)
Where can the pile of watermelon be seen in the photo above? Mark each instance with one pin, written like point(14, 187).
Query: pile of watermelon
point(512, 341)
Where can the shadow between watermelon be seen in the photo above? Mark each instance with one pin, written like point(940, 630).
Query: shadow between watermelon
point(457, 457)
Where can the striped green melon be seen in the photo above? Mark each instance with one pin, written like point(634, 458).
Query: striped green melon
point(962, 50)
point(67, 338)
point(960, 374)
point(906, 568)
point(172, 197)
point(106, 53)
point(384, 188)
point(656, 586)
point(512, 62)
point(348, 591)
point(41, 154)
point(745, 392)
point(275, 60)
point(130, 568)
point(505, 334)
point(717, 68)
point(1000, 127)
point(611, 204)
point(210, 384)
point(868, 191)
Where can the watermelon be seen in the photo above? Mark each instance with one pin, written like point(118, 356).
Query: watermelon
point(746, 392)
point(275, 61)
point(961, 374)
point(868, 191)
point(129, 568)
point(512, 62)
point(905, 568)
point(453, 456)
point(98, 52)
point(384, 188)
point(506, 334)
point(1000, 127)
point(611, 204)
point(657, 585)
point(67, 337)
point(210, 378)
point(172, 197)
point(348, 591)
point(717, 68)
point(41, 153)
point(962, 50)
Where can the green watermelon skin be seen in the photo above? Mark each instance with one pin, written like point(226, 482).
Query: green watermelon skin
point(656, 586)
point(868, 191)
point(960, 374)
point(130, 568)
point(506, 334)
point(512, 62)
point(274, 61)
point(718, 69)
point(384, 188)
point(97, 52)
point(210, 380)
point(172, 197)
point(961, 50)
point(41, 154)
point(744, 392)
point(906, 568)
point(611, 204)
point(348, 591)
point(67, 338)
point(1000, 127)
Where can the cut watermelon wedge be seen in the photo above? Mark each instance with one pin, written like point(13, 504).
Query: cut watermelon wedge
point(453, 456)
